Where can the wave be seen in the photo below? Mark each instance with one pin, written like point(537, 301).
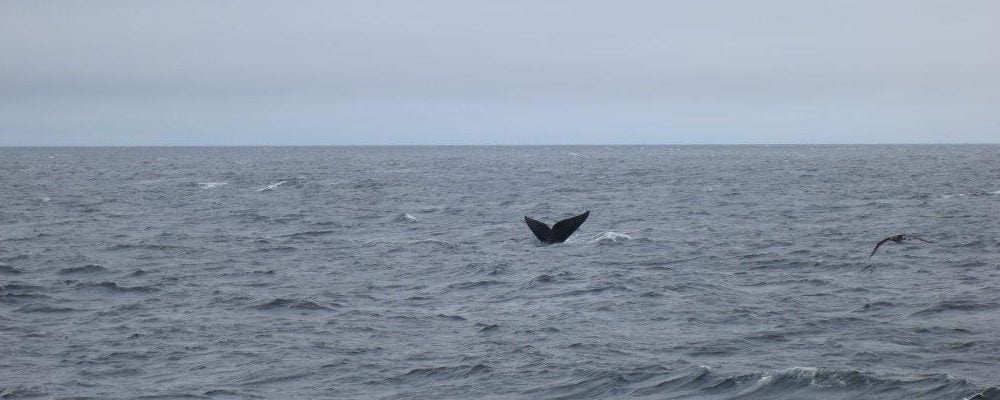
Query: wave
point(299, 235)
point(473, 285)
point(7, 269)
point(120, 309)
point(595, 290)
point(603, 384)
point(21, 392)
point(112, 372)
point(436, 242)
point(442, 373)
point(274, 249)
point(978, 193)
point(18, 287)
point(223, 393)
point(792, 383)
point(114, 287)
point(971, 264)
point(784, 263)
point(38, 308)
point(974, 243)
point(452, 317)
point(877, 306)
point(279, 378)
point(785, 282)
point(291, 304)
point(86, 269)
point(990, 393)
point(26, 238)
point(367, 183)
point(142, 246)
point(15, 258)
point(540, 280)
point(802, 382)
point(957, 305)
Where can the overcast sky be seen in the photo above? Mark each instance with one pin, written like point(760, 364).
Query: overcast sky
point(498, 72)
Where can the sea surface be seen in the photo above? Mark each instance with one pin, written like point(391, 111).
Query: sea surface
point(703, 272)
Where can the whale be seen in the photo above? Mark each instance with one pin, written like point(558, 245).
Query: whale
point(559, 232)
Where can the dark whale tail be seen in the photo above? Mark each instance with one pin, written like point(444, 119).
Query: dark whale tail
point(559, 232)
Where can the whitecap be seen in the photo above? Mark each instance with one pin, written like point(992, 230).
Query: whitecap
point(209, 185)
point(801, 372)
point(272, 186)
point(971, 194)
point(795, 373)
point(405, 217)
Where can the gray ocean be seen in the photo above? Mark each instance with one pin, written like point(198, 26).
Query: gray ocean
point(703, 272)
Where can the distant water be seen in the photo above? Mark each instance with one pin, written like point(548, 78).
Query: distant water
point(725, 272)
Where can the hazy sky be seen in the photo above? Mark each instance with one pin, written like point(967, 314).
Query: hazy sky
point(498, 72)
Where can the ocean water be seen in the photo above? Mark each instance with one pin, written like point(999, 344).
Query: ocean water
point(718, 272)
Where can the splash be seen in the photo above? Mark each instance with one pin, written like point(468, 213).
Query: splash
point(611, 237)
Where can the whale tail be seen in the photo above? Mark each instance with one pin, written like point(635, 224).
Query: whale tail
point(559, 232)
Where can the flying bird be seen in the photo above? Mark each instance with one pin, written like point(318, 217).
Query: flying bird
point(559, 232)
point(898, 239)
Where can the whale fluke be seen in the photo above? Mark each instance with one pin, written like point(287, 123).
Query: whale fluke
point(559, 232)
point(897, 239)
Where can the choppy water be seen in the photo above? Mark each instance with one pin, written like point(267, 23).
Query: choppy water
point(407, 272)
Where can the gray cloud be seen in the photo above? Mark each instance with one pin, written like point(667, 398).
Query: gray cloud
point(356, 72)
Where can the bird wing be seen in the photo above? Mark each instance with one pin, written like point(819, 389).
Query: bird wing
point(541, 231)
point(920, 239)
point(879, 244)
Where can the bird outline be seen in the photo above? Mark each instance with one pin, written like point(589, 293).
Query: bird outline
point(899, 238)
